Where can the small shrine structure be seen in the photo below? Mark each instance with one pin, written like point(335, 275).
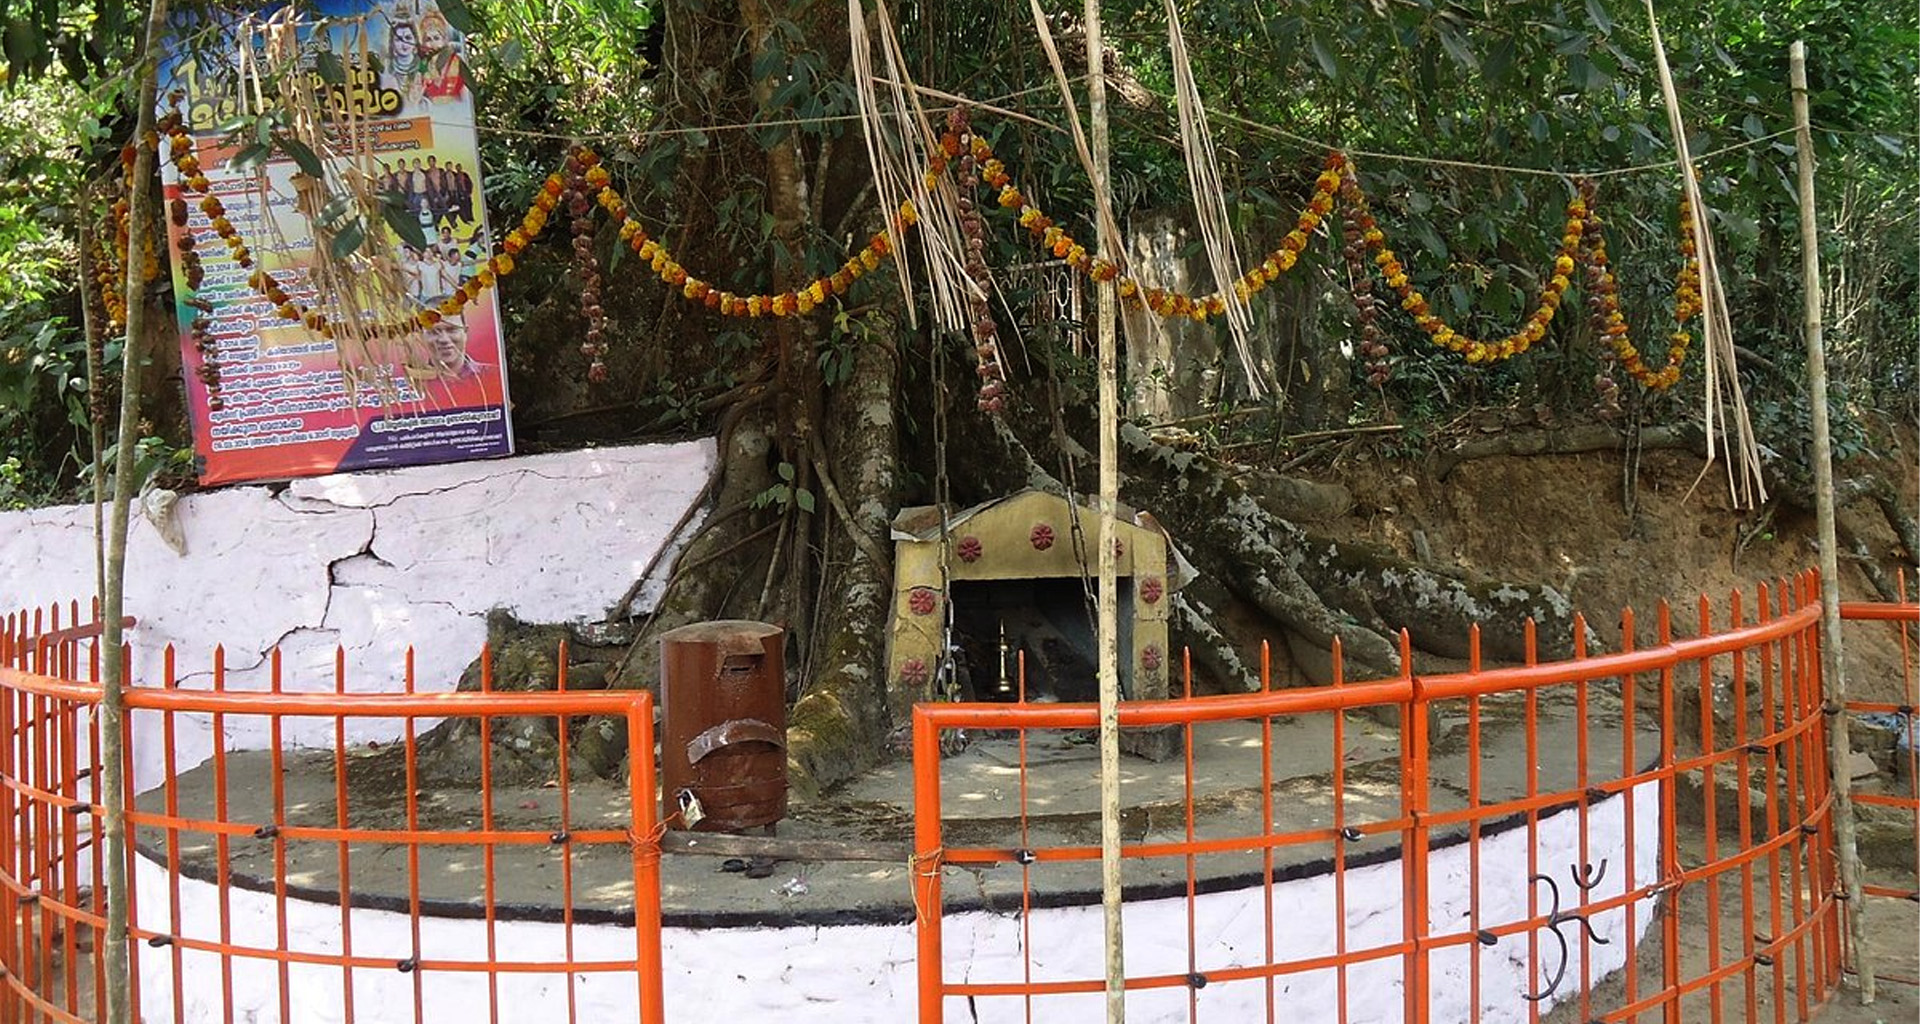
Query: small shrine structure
point(1019, 573)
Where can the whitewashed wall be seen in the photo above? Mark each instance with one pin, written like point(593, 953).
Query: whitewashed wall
point(865, 974)
point(372, 563)
point(375, 563)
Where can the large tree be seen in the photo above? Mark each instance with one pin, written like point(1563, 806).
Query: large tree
point(730, 126)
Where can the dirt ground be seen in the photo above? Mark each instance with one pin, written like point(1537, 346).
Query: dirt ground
point(1563, 520)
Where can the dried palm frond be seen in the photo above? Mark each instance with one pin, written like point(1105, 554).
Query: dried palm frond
point(1102, 200)
point(901, 142)
point(360, 289)
point(1210, 200)
point(1725, 401)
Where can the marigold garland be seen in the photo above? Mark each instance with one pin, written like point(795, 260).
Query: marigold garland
point(1437, 330)
point(986, 333)
point(1366, 310)
point(1612, 326)
point(585, 180)
point(111, 258)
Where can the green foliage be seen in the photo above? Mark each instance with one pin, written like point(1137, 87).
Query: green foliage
point(84, 41)
point(1552, 85)
point(43, 418)
point(1565, 86)
point(785, 494)
point(549, 71)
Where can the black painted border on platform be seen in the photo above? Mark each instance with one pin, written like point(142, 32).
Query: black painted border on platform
point(547, 914)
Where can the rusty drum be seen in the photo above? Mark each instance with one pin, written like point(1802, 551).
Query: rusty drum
point(724, 736)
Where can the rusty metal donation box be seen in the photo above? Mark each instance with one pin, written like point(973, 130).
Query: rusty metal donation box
point(724, 741)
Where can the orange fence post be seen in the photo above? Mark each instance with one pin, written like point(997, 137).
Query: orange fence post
point(646, 862)
point(1414, 798)
point(927, 864)
point(1669, 831)
point(10, 804)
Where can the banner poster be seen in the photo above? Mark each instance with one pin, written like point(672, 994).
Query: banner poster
point(285, 406)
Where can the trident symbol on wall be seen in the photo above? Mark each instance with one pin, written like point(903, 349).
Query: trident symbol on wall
point(1587, 879)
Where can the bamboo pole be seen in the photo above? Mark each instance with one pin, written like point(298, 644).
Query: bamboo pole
point(1109, 603)
point(92, 327)
point(113, 705)
point(1832, 656)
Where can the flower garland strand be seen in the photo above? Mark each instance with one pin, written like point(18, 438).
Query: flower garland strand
point(794, 303)
point(986, 344)
point(1365, 306)
point(580, 207)
point(194, 273)
point(1611, 325)
point(113, 256)
point(585, 180)
point(1058, 241)
point(1437, 330)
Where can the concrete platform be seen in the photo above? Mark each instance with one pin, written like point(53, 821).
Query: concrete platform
point(982, 803)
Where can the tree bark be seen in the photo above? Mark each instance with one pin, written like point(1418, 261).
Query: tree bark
point(840, 723)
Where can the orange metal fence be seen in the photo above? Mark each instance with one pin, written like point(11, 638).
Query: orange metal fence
point(1638, 836)
point(1890, 811)
point(195, 915)
point(1734, 919)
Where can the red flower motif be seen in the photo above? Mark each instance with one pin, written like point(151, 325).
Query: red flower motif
point(1042, 537)
point(969, 549)
point(914, 672)
point(921, 601)
point(1151, 589)
point(1150, 658)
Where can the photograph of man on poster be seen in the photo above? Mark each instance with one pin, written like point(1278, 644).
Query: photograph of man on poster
point(446, 352)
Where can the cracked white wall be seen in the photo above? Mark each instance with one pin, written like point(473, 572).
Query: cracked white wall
point(367, 565)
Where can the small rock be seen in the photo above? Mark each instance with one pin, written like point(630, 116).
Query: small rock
point(1860, 765)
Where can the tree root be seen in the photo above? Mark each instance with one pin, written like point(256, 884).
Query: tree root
point(1855, 550)
point(1319, 589)
point(753, 394)
point(1592, 437)
point(1193, 629)
point(840, 723)
point(860, 540)
point(1227, 534)
point(1905, 526)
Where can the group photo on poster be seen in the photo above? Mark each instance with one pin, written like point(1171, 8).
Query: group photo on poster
point(348, 337)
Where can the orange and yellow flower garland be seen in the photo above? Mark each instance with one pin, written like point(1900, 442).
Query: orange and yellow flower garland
point(110, 269)
point(1338, 176)
point(1613, 326)
point(794, 303)
point(1336, 179)
point(1056, 240)
point(1437, 330)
